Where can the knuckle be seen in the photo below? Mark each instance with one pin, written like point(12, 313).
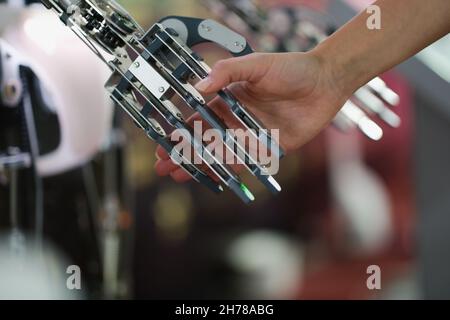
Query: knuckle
point(221, 65)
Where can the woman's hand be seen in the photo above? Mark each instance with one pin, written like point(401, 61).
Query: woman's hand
point(293, 92)
point(299, 93)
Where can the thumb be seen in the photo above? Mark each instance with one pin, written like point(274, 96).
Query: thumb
point(249, 68)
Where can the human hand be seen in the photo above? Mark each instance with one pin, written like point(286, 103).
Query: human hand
point(293, 92)
point(300, 93)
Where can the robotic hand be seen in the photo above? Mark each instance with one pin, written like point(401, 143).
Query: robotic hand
point(300, 28)
point(150, 69)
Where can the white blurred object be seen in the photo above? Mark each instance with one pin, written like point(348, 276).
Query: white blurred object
point(272, 264)
point(73, 79)
point(29, 273)
point(357, 118)
point(359, 194)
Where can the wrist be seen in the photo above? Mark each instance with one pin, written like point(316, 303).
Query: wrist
point(342, 78)
point(335, 80)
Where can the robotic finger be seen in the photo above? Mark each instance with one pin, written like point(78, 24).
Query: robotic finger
point(120, 87)
point(150, 68)
point(156, 132)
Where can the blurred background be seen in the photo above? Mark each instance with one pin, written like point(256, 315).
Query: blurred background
point(347, 202)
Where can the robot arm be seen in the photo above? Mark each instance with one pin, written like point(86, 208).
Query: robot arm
point(150, 68)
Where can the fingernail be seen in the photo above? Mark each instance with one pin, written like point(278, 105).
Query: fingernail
point(204, 84)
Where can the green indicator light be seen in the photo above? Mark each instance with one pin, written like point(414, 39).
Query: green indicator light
point(247, 192)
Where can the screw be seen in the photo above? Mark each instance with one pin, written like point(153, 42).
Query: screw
point(137, 64)
point(161, 89)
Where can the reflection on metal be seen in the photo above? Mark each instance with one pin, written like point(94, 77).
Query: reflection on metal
point(151, 68)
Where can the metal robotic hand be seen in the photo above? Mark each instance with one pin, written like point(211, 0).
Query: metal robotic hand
point(299, 28)
point(151, 69)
